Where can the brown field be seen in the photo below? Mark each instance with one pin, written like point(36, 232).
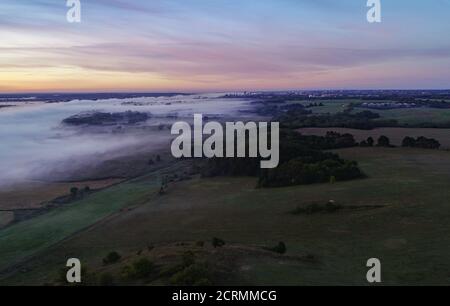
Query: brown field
point(395, 134)
point(33, 194)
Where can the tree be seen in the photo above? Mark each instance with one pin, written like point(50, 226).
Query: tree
point(408, 142)
point(370, 141)
point(384, 141)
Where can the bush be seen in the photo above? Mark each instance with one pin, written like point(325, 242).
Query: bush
point(139, 269)
point(188, 259)
point(142, 268)
point(280, 248)
point(194, 275)
point(111, 258)
point(74, 191)
point(217, 243)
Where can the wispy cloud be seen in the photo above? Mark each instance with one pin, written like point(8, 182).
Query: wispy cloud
point(216, 42)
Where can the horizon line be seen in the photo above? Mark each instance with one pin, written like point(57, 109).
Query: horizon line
point(188, 92)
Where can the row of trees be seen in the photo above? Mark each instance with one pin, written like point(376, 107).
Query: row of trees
point(383, 141)
point(421, 142)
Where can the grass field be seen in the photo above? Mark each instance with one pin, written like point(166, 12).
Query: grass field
point(330, 106)
point(396, 135)
point(409, 235)
point(403, 116)
point(32, 194)
point(414, 115)
point(28, 238)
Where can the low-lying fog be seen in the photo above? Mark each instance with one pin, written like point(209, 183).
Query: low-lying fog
point(34, 143)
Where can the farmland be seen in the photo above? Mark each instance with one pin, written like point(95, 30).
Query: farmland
point(407, 232)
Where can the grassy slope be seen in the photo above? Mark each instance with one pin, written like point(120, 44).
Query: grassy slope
point(410, 235)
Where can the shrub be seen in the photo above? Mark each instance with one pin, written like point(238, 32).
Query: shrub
point(188, 259)
point(280, 248)
point(111, 258)
point(194, 275)
point(74, 191)
point(217, 243)
point(142, 268)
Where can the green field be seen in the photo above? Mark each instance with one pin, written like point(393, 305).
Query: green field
point(409, 235)
point(414, 115)
point(26, 239)
point(329, 106)
point(403, 116)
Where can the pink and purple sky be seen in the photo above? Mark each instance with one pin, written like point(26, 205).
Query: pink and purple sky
point(223, 45)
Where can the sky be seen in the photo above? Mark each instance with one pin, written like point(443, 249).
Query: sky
point(223, 45)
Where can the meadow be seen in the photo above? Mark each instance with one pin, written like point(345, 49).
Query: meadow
point(408, 232)
point(404, 116)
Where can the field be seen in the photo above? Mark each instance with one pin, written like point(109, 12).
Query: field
point(6, 217)
point(403, 116)
point(409, 234)
point(33, 194)
point(28, 238)
point(328, 106)
point(396, 135)
point(415, 115)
